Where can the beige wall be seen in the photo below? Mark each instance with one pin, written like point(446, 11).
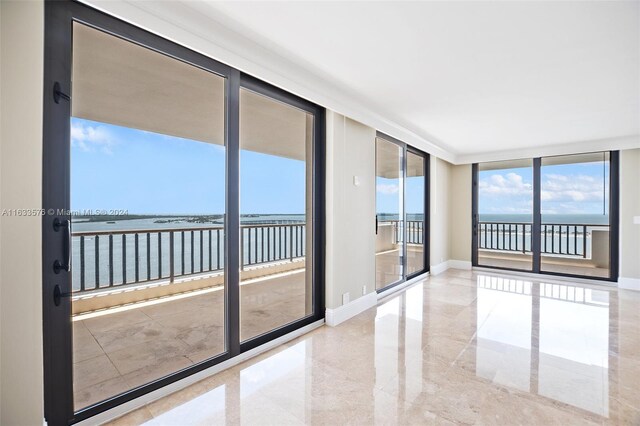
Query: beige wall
point(460, 213)
point(440, 193)
point(21, 58)
point(629, 207)
point(350, 248)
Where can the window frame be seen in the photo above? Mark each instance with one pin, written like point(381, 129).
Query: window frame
point(57, 327)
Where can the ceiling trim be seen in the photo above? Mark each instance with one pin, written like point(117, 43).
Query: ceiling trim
point(611, 144)
point(181, 24)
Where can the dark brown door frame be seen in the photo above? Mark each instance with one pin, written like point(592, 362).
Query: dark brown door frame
point(57, 325)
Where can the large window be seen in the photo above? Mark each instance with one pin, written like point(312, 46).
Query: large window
point(276, 181)
point(401, 212)
point(505, 214)
point(556, 215)
point(148, 199)
point(189, 208)
point(574, 203)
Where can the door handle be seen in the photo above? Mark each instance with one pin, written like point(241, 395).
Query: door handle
point(58, 295)
point(66, 264)
point(376, 224)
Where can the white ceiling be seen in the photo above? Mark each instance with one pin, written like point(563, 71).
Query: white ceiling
point(476, 79)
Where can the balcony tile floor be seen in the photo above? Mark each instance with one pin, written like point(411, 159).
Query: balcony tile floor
point(117, 350)
point(460, 348)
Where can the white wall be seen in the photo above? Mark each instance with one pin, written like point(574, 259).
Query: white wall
point(21, 68)
point(460, 213)
point(440, 192)
point(350, 249)
point(630, 208)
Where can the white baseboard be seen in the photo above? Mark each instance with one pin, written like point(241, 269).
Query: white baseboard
point(342, 313)
point(629, 283)
point(450, 264)
point(439, 268)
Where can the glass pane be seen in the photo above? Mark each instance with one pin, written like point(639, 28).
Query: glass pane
point(276, 142)
point(505, 214)
point(575, 214)
point(389, 213)
point(148, 197)
point(415, 212)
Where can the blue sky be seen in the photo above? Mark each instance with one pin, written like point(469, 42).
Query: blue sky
point(565, 189)
point(116, 167)
point(388, 198)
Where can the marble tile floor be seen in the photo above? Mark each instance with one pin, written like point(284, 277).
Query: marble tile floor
point(459, 348)
point(117, 350)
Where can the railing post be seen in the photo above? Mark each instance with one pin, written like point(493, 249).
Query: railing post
point(97, 260)
point(148, 256)
point(268, 244)
point(159, 255)
point(218, 248)
point(261, 244)
point(584, 241)
point(249, 246)
point(137, 253)
point(291, 243)
point(241, 249)
point(171, 257)
point(193, 268)
point(110, 260)
point(82, 263)
point(210, 251)
point(124, 258)
point(182, 252)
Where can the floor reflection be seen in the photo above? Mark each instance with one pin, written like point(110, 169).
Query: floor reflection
point(461, 347)
point(552, 340)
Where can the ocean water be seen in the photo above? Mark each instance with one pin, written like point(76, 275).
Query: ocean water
point(587, 219)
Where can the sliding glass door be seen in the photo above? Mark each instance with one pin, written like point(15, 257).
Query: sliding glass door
point(401, 212)
point(147, 194)
point(390, 246)
point(556, 215)
point(575, 214)
point(276, 207)
point(416, 208)
point(184, 209)
point(504, 220)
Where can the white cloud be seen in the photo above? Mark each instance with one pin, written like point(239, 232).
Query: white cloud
point(387, 189)
point(560, 194)
point(572, 188)
point(88, 138)
point(511, 184)
point(560, 188)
